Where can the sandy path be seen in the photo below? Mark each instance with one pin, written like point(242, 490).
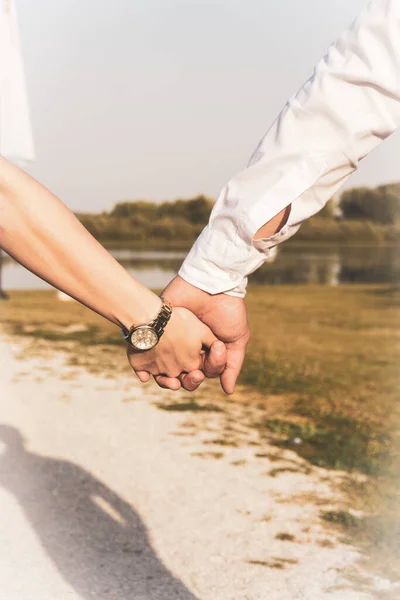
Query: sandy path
point(104, 498)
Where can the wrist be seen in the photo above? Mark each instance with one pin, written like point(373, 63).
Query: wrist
point(182, 293)
point(145, 335)
point(137, 311)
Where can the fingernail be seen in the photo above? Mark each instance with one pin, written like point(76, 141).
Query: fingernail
point(196, 380)
point(219, 347)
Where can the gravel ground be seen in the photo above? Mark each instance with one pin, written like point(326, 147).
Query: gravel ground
point(103, 495)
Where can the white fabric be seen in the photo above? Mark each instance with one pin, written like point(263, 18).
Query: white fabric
point(16, 141)
point(350, 104)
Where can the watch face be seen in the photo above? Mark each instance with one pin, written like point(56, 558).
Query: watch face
point(144, 338)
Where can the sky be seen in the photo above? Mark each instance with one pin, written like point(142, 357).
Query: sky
point(160, 99)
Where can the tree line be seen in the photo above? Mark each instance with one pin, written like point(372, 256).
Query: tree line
point(178, 223)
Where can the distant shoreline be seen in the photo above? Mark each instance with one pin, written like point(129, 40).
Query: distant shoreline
point(128, 245)
point(355, 234)
point(363, 216)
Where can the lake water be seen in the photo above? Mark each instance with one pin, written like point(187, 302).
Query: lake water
point(293, 264)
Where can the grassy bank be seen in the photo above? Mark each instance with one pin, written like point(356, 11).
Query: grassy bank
point(332, 355)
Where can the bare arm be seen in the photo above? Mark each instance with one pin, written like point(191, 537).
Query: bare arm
point(42, 234)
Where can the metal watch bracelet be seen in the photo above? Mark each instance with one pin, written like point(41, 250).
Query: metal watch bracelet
point(158, 323)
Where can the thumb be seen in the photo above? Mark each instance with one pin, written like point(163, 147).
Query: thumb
point(234, 363)
point(215, 360)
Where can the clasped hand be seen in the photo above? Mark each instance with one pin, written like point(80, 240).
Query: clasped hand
point(206, 337)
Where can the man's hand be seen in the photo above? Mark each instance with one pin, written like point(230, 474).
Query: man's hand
point(226, 316)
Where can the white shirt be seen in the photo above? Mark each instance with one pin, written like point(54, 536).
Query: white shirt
point(16, 141)
point(350, 104)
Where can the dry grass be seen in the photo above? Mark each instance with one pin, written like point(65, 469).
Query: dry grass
point(333, 353)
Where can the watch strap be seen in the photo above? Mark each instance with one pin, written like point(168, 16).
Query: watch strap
point(158, 323)
point(161, 320)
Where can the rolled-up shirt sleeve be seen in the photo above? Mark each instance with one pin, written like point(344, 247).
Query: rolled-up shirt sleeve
point(349, 105)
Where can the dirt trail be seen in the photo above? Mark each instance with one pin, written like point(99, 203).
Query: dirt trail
point(103, 495)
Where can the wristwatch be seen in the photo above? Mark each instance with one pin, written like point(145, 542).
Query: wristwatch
point(146, 336)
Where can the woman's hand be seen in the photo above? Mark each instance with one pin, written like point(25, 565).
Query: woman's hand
point(182, 349)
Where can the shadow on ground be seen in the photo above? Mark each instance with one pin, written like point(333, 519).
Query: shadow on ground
point(97, 541)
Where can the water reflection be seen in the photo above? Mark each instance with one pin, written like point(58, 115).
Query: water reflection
point(153, 269)
point(292, 265)
point(320, 265)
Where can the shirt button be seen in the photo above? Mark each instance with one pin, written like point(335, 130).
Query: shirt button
point(233, 276)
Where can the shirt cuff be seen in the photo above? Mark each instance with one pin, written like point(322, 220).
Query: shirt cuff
point(204, 265)
point(226, 253)
point(216, 265)
point(268, 247)
point(267, 244)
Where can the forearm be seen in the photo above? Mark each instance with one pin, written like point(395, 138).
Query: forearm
point(43, 235)
point(274, 225)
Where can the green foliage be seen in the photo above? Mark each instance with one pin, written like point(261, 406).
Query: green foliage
point(189, 407)
point(170, 229)
point(139, 222)
point(329, 211)
point(196, 211)
point(330, 231)
point(369, 216)
point(146, 210)
point(334, 441)
point(340, 517)
point(380, 205)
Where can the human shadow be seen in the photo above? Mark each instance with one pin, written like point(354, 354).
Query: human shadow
point(97, 541)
